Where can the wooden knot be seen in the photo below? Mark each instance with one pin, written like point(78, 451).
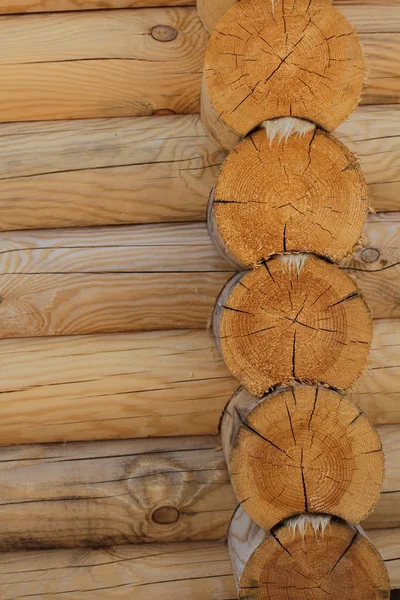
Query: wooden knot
point(164, 33)
point(370, 255)
point(165, 515)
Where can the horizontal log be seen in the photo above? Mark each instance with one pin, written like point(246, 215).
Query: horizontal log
point(126, 491)
point(38, 6)
point(190, 571)
point(147, 384)
point(147, 170)
point(102, 63)
point(103, 280)
point(108, 61)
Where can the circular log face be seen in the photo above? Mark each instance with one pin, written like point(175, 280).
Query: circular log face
point(303, 449)
point(282, 322)
point(314, 565)
point(275, 59)
point(303, 194)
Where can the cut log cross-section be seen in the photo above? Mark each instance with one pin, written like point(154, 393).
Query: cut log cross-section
point(295, 318)
point(309, 557)
point(266, 60)
point(305, 193)
point(301, 449)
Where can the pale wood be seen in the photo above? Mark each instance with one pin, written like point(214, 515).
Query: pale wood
point(32, 6)
point(105, 280)
point(145, 384)
point(381, 15)
point(105, 171)
point(105, 493)
point(301, 449)
point(305, 553)
point(189, 571)
point(106, 64)
point(146, 169)
point(53, 282)
point(108, 74)
point(373, 133)
point(379, 279)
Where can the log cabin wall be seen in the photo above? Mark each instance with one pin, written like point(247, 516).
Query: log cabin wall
point(108, 280)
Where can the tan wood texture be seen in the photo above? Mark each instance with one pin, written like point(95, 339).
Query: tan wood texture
point(260, 64)
point(301, 449)
point(108, 63)
point(104, 493)
point(190, 571)
point(124, 491)
point(301, 193)
point(380, 260)
point(380, 15)
point(138, 170)
point(103, 280)
point(33, 6)
point(147, 384)
point(296, 318)
point(100, 69)
point(315, 556)
point(105, 171)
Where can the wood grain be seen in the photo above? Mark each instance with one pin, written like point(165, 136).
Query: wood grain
point(130, 278)
point(373, 133)
point(379, 279)
point(147, 384)
point(146, 169)
point(33, 6)
point(102, 63)
point(105, 171)
point(369, 20)
point(190, 571)
point(105, 280)
point(106, 493)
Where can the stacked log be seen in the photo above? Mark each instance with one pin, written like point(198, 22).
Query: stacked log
point(305, 463)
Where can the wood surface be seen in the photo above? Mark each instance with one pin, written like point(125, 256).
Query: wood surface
point(301, 449)
point(190, 571)
point(125, 491)
point(105, 171)
point(33, 6)
point(146, 169)
point(313, 556)
point(370, 20)
point(288, 193)
point(260, 64)
point(100, 63)
point(87, 64)
point(147, 384)
point(130, 278)
point(297, 318)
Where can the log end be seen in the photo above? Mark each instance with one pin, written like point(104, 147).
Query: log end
point(305, 193)
point(301, 449)
point(296, 318)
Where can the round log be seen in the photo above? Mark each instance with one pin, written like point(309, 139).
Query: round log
point(277, 59)
point(301, 449)
point(305, 193)
point(296, 318)
point(307, 558)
